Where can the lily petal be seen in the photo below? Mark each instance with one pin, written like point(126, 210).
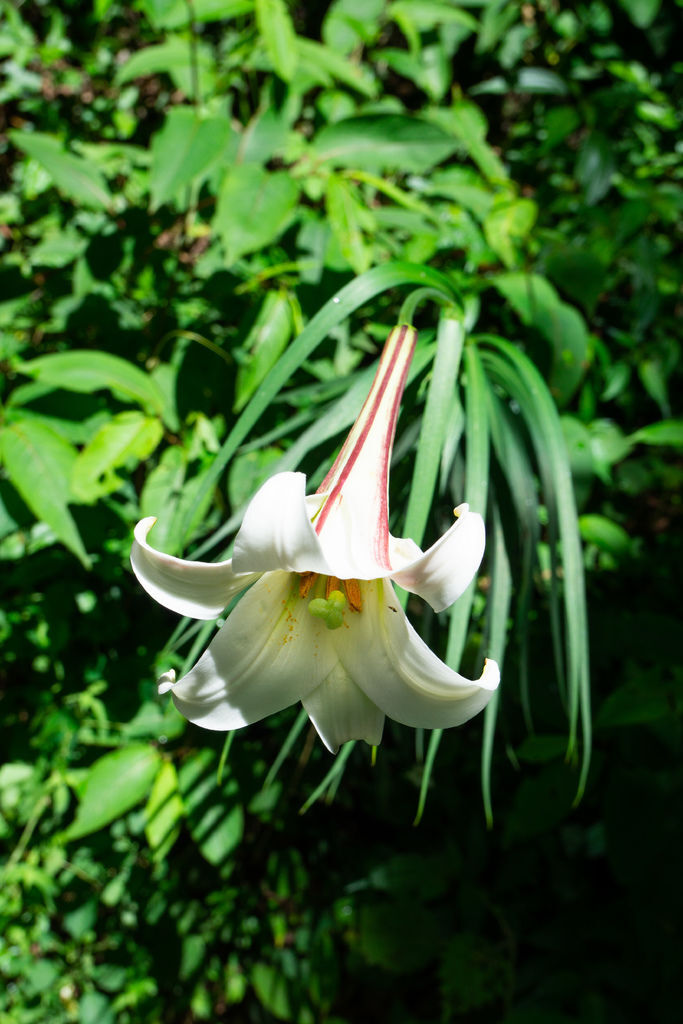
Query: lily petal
point(353, 523)
point(276, 531)
point(198, 589)
point(270, 653)
point(445, 571)
point(340, 711)
point(392, 665)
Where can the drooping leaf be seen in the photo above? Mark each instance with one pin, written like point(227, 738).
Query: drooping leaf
point(666, 432)
point(39, 462)
point(87, 372)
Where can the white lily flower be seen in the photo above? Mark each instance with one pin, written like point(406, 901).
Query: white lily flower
point(321, 623)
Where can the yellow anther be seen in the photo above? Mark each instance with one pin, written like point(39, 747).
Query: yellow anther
point(306, 582)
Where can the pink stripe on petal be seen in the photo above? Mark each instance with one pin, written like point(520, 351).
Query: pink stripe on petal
point(360, 472)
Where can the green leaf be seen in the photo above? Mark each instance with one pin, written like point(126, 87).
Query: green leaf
point(379, 142)
point(520, 378)
point(319, 58)
point(165, 811)
point(277, 31)
point(263, 346)
point(666, 432)
point(87, 372)
point(39, 462)
point(114, 784)
point(126, 439)
point(73, 175)
point(578, 272)
point(606, 535)
point(595, 166)
point(347, 218)
point(641, 12)
point(183, 151)
point(175, 58)
point(509, 223)
point(467, 122)
point(278, 995)
point(537, 304)
point(254, 207)
point(177, 13)
point(435, 421)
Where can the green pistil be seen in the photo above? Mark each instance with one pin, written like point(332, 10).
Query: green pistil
point(330, 610)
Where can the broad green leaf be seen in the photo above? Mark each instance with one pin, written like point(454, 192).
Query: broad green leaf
point(177, 13)
point(87, 372)
point(595, 166)
point(347, 217)
point(666, 432)
point(350, 24)
point(641, 12)
point(537, 304)
point(426, 15)
point(263, 346)
point(467, 123)
point(254, 207)
point(126, 439)
point(379, 142)
point(164, 810)
point(606, 535)
point(73, 175)
point(39, 462)
point(577, 272)
point(316, 58)
point(184, 151)
point(277, 31)
point(278, 995)
point(114, 784)
point(508, 224)
point(174, 58)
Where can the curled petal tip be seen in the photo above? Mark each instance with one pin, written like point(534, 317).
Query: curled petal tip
point(166, 682)
point(143, 527)
point(490, 677)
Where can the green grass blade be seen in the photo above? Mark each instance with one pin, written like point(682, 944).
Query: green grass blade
point(449, 343)
point(296, 727)
point(476, 490)
point(537, 405)
point(498, 607)
point(336, 769)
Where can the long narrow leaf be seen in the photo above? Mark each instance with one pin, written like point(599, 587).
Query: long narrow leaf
point(538, 407)
point(498, 608)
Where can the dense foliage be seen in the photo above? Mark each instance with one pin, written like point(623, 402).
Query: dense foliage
point(213, 212)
